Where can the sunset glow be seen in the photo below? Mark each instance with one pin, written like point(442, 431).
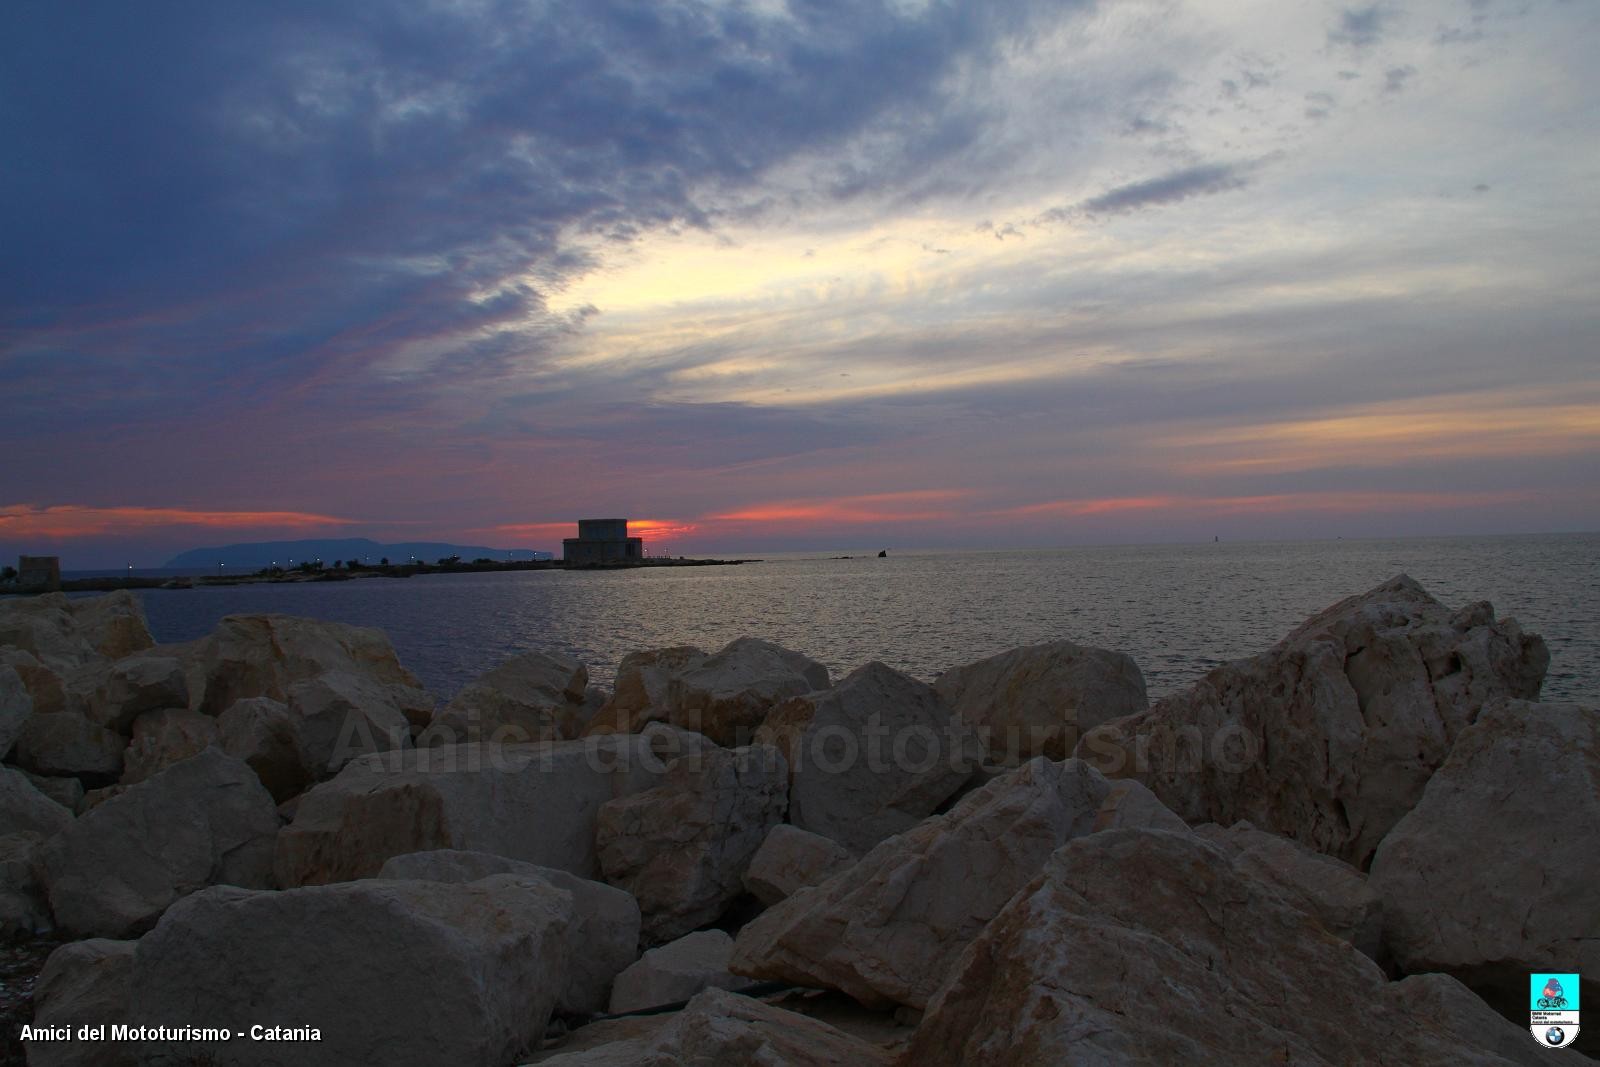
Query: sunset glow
point(944, 275)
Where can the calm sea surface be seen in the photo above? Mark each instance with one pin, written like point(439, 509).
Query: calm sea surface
point(1178, 610)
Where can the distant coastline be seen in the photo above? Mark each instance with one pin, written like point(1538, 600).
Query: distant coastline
point(351, 571)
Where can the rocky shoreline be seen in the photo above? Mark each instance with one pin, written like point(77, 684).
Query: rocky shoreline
point(1351, 847)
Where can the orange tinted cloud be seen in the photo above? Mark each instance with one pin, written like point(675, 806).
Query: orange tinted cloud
point(552, 531)
point(1440, 427)
point(73, 520)
point(1341, 501)
point(917, 505)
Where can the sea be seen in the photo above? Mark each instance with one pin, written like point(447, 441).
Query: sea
point(1178, 610)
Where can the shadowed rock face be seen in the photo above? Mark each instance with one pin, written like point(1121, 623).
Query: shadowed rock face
point(538, 696)
point(536, 803)
point(1154, 947)
point(870, 757)
point(1330, 736)
point(205, 821)
point(682, 847)
point(393, 972)
point(603, 937)
point(643, 692)
point(1496, 872)
point(721, 1029)
point(728, 695)
point(1038, 700)
point(887, 929)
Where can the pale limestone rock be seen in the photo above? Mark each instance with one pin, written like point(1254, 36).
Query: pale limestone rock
point(262, 732)
point(722, 1029)
point(162, 738)
point(202, 822)
point(68, 745)
point(1155, 947)
point(1330, 890)
point(113, 625)
point(397, 973)
point(603, 937)
point(340, 715)
point(537, 696)
point(675, 972)
point(887, 930)
point(84, 983)
point(681, 848)
point(1330, 736)
point(1129, 804)
point(44, 685)
point(870, 757)
point(1038, 700)
point(536, 803)
point(24, 912)
point(23, 808)
point(118, 693)
point(265, 655)
point(789, 860)
point(16, 707)
point(1494, 873)
point(727, 695)
point(643, 692)
point(65, 633)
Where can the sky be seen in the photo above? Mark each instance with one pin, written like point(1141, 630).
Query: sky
point(796, 274)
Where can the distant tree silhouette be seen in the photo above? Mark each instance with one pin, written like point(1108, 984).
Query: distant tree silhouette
point(384, 561)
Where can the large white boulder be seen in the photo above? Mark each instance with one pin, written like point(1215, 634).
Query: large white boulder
point(603, 936)
point(116, 694)
point(1496, 872)
point(682, 847)
point(83, 983)
point(1333, 892)
point(262, 732)
point(65, 633)
point(1155, 947)
point(205, 821)
point(676, 971)
point(537, 696)
point(1038, 700)
point(340, 715)
point(24, 809)
point(536, 803)
point(790, 859)
point(888, 929)
point(265, 655)
point(1330, 736)
point(44, 685)
point(870, 757)
point(722, 1029)
point(643, 693)
point(727, 695)
point(391, 972)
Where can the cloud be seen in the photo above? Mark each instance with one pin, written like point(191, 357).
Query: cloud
point(1360, 28)
point(63, 521)
point(1204, 180)
point(1396, 78)
point(306, 196)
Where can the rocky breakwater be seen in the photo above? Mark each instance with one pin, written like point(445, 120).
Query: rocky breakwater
point(1350, 848)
